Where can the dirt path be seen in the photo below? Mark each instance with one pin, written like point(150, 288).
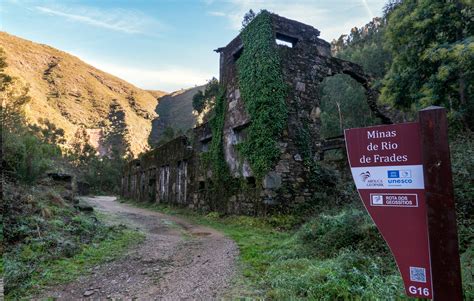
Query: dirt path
point(177, 260)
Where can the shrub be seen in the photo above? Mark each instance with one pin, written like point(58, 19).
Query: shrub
point(467, 265)
point(25, 156)
point(348, 276)
point(462, 158)
point(327, 234)
point(33, 238)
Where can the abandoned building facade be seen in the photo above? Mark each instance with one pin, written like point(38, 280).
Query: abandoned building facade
point(173, 173)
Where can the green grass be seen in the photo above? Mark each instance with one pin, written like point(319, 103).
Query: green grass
point(68, 269)
point(47, 241)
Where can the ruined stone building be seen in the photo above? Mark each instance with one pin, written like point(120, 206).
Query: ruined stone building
point(174, 172)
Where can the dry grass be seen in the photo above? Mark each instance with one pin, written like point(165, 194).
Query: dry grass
point(73, 94)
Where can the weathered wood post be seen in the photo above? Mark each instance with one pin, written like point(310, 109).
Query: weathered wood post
point(441, 215)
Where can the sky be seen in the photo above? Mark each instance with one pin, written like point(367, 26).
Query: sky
point(163, 44)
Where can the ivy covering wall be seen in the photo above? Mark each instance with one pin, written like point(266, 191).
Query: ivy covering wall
point(215, 156)
point(263, 91)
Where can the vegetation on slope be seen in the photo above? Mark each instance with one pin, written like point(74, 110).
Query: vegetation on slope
point(46, 239)
point(175, 111)
point(432, 45)
point(75, 96)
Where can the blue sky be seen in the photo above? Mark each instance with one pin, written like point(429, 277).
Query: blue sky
point(163, 44)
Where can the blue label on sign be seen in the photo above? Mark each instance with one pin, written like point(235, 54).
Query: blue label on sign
point(393, 173)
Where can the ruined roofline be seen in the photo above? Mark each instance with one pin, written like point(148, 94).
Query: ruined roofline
point(279, 19)
point(184, 139)
point(277, 22)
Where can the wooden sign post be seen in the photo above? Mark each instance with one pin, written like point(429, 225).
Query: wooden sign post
point(439, 195)
point(403, 175)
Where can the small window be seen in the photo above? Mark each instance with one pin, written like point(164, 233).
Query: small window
point(239, 133)
point(151, 182)
point(205, 144)
point(285, 40)
point(202, 185)
point(284, 43)
point(251, 182)
point(238, 53)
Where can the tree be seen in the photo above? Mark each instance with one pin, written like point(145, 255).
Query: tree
point(168, 135)
point(432, 45)
point(206, 98)
point(248, 17)
point(198, 101)
point(364, 46)
point(25, 156)
point(343, 105)
point(49, 132)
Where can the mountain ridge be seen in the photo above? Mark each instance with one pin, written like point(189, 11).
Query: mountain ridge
point(78, 97)
point(175, 110)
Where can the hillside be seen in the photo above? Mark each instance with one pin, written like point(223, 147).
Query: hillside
point(85, 102)
point(157, 93)
point(175, 110)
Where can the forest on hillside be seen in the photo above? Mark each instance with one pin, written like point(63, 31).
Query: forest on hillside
point(420, 53)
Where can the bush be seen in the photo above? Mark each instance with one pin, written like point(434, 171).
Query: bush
point(38, 230)
point(462, 158)
point(327, 234)
point(348, 276)
point(467, 266)
point(25, 156)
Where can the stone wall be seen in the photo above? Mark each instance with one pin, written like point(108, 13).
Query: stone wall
point(175, 173)
point(161, 175)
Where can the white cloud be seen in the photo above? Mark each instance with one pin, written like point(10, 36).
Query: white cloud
point(168, 78)
point(126, 21)
point(217, 13)
point(329, 33)
point(324, 16)
point(299, 10)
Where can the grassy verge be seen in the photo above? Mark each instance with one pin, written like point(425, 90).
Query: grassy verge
point(68, 269)
point(47, 241)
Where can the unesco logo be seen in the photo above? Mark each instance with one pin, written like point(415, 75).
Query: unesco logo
point(399, 176)
point(394, 174)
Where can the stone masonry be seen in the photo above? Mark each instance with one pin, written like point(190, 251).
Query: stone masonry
point(173, 173)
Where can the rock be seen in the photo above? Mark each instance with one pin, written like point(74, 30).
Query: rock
point(297, 157)
point(300, 86)
point(283, 166)
point(315, 114)
point(81, 206)
point(89, 293)
point(67, 195)
point(237, 94)
point(272, 180)
point(299, 199)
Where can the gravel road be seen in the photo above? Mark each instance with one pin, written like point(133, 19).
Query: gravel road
point(178, 260)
